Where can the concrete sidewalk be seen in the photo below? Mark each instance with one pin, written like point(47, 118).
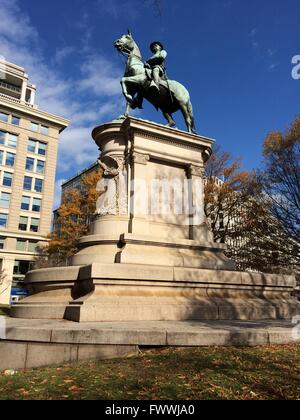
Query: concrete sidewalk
point(35, 343)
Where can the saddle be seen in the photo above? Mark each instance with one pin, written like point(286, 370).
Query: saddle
point(163, 80)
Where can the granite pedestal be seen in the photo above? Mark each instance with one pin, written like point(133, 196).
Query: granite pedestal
point(150, 255)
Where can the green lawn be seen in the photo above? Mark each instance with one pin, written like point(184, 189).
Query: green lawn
point(4, 310)
point(198, 373)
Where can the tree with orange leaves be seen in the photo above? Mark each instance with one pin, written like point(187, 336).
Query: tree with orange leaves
point(229, 194)
point(259, 234)
point(72, 222)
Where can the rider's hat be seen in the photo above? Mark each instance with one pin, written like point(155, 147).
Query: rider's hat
point(156, 43)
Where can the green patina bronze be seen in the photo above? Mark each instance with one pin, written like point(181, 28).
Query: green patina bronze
point(149, 80)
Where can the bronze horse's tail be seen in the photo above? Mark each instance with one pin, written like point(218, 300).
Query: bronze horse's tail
point(191, 112)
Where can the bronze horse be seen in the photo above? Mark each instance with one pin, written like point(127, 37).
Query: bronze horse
point(172, 96)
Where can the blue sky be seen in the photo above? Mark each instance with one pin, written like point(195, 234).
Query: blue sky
point(234, 56)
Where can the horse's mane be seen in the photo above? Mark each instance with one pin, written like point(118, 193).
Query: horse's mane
point(136, 51)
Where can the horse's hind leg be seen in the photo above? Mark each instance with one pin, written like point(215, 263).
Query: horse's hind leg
point(187, 112)
point(168, 117)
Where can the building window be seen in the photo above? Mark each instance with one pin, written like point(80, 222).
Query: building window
point(36, 205)
point(12, 141)
point(2, 243)
point(8, 139)
point(21, 268)
point(10, 159)
point(23, 223)
point(3, 220)
point(7, 179)
point(40, 167)
point(37, 147)
point(34, 127)
point(38, 185)
point(29, 164)
point(27, 183)
point(2, 137)
point(1, 157)
point(21, 245)
point(4, 200)
point(31, 147)
point(34, 225)
point(45, 130)
point(25, 205)
point(32, 246)
point(42, 149)
point(4, 117)
point(15, 120)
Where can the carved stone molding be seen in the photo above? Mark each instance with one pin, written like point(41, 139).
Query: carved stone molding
point(168, 140)
point(197, 171)
point(112, 187)
point(140, 158)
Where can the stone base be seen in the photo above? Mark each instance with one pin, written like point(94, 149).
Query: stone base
point(148, 250)
point(130, 292)
point(30, 344)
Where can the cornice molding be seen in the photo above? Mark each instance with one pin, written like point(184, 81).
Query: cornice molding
point(61, 122)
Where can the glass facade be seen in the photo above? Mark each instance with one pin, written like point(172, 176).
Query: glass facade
point(2, 137)
point(3, 220)
point(2, 243)
point(34, 225)
point(3, 117)
point(44, 130)
point(7, 179)
point(21, 245)
point(40, 167)
point(31, 146)
point(42, 149)
point(29, 164)
point(15, 120)
point(36, 205)
point(8, 139)
point(10, 159)
point(12, 141)
point(32, 246)
point(4, 200)
point(21, 268)
point(38, 185)
point(27, 183)
point(23, 223)
point(25, 205)
point(34, 127)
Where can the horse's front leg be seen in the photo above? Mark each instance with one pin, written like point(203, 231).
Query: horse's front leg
point(130, 86)
point(126, 113)
point(128, 97)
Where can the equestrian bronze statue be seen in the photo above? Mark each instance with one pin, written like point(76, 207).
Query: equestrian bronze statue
point(149, 80)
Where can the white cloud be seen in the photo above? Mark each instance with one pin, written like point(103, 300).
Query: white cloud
point(271, 52)
point(16, 25)
point(63, 53)
point(117, 10)
point(253, 32)
point(84, 100)
point(273, 66)
point(100, 76)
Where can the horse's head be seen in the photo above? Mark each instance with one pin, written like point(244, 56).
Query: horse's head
point(125, 44)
